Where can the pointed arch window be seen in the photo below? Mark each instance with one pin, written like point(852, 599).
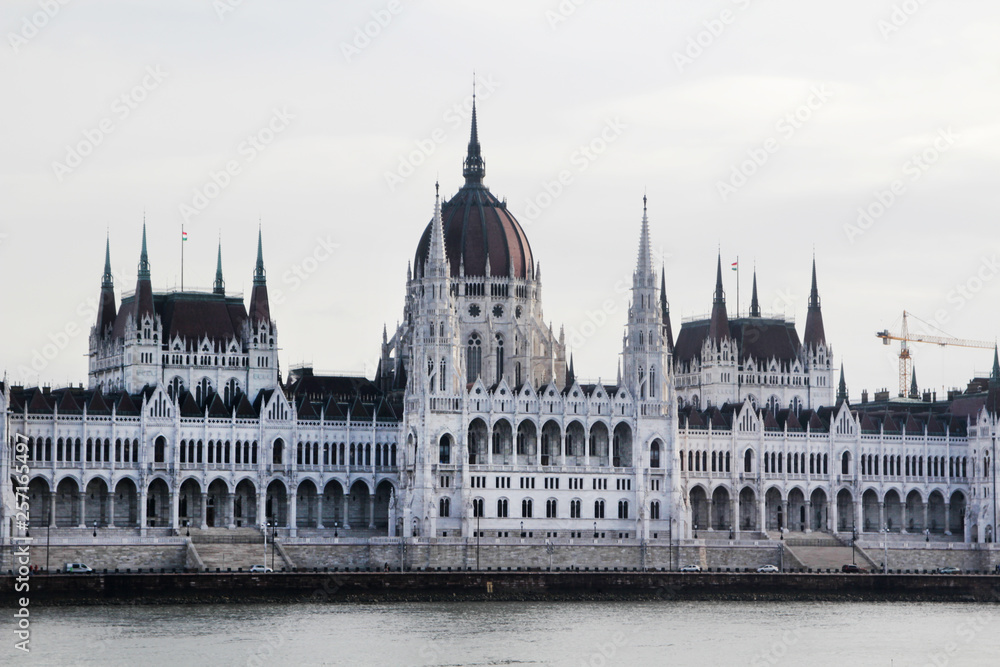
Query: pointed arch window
point(474, 358)
point(499, 357)
point(441, 375)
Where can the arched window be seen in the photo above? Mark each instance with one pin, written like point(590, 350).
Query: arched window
point(526, 508)
point(444, 509)
point(574, 509)
point(502, 508)
point(598, 509)
point(474, 358)
point(622, 509)
point(174, 388)
point(654, 455)
point(232, 387)
point(652, 382)
point(551, 509)
point(202, 389)
point(445, 450)
point(277, 454)
point(654, 510)
point(441, 375)
point(160, 450)
point(499, 339)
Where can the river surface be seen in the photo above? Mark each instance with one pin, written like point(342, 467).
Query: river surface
point(595, 634)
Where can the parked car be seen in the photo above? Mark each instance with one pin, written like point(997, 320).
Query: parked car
point(262, 569)
point(768, 568)
point(851, 567)
point(950, 569)
point(691, 568)
point(77, 568)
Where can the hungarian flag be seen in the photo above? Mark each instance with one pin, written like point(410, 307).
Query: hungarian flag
point(735, 266)
point(184, 236)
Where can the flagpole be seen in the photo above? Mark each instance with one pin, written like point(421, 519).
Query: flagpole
point(182, 257)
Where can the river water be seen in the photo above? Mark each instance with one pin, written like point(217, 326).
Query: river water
point(510, 633)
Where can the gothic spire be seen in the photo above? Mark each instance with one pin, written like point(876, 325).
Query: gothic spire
point(475, 167)
point(107, 280)
point(668, 334)
point(842, 387)
point(719, 325)
point(814, 334)
point(437, 260)
point(220, 284)
point(995, 375)
point(914, 389)
point(144, 256)
point(571, 373)
point(259, 275)
point(754, 304)
point(644, 263)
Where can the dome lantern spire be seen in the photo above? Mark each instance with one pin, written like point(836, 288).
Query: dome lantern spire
point(475, 166)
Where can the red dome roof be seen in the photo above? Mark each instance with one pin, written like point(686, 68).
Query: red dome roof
point(478, 226)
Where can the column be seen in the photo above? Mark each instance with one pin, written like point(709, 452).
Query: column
point(947, 518)
point(809, 516)
point(111, 510)
point(319, 509)
point(881, 516)
point(204, 510)
point(858, 515)
point(762, 516)
point(784, 515)
point(292, 509)
point(52, 509)
point(371, 511)
point(927, 526)
point(142, 509)
point(346, 509)
point(734, 518)
point(261, 508)
point(175, 501)
point(230, 501)
point(902, 511)
point(83, 509)
point(832, 517)
point(562, 448)
point(710, 526)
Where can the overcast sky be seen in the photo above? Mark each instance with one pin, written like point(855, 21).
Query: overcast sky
point(759, 127)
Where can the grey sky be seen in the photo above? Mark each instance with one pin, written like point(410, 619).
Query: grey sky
point(671, 97)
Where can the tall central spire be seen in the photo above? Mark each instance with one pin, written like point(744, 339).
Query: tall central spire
point(475, 166)
point(754, 304)
point(437, 261)
point(719, 324)
point(644, 264)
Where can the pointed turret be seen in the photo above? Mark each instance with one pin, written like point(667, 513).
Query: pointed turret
point(719, 327)
point(914, 389)
point(260, 310)
point(437, 258)
point(143, 286)
point(668, 334)
point(754, 304)
point(571, 373)
point(644, 263)
point(995, 375)
point(842, 387)
point(220, 284)
point(814, 334)
point(475, 167)
point(107, 309)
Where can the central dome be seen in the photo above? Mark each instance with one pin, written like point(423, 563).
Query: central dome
point(478, 227)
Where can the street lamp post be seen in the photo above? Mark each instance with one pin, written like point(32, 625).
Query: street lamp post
point(95, 527)
point(263, 530)
point(595, 530)
point(48, 545)
point(885, 549)
point(477, 540)
point(274, 537)
point(522, 529)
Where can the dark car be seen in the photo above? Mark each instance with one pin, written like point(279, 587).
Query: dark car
point(949, 570)
point(851, 567)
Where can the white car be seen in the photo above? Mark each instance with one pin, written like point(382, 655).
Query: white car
point(768, 568)
point(261, 569)
point(78, 568)
point(691, 568)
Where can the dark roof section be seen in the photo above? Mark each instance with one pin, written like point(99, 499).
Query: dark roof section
point(336, 395)
point(761, 338)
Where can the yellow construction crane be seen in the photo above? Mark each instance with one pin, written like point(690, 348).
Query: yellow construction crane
point(904, 337)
